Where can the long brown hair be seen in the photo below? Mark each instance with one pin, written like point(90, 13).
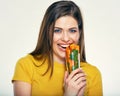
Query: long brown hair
point(44, 45)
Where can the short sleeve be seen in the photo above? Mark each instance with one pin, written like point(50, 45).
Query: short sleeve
point(23, 70)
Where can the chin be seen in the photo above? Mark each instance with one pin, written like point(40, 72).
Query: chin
point(63, 56)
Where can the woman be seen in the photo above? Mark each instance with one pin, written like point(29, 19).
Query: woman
point(42, 72)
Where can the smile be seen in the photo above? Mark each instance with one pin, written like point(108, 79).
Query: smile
point(62, 47)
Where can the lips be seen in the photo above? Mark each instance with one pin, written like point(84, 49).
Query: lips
point(63, 46)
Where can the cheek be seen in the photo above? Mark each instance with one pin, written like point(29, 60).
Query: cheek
point(76, 38)
point(55, 38)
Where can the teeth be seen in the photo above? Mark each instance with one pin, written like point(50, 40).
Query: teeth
point(64, 45)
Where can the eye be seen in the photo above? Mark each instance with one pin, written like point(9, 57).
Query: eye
point(57, 30)
point(73, 30)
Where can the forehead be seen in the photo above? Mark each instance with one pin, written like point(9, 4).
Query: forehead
point(66, 21)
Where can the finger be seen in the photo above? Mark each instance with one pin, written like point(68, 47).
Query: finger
point(79, 70)
point(82, 84)
point(77, 76)
point(80, 80)
point(81, 92)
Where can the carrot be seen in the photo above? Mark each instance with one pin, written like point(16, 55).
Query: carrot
point(72, 60)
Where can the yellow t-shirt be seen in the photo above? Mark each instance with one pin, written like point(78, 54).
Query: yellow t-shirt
point(26, 71)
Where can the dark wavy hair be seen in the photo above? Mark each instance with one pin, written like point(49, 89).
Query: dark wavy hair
point(56, 10)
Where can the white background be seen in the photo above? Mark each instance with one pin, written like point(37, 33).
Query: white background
point(19, 26)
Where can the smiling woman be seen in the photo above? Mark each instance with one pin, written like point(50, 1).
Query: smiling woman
point(43, 71)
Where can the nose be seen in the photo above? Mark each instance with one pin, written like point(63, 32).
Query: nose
point(65, 37)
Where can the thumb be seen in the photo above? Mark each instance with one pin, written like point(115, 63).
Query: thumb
point(66, 75)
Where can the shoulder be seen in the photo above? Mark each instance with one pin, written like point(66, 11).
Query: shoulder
point(30, 61)
point(25, 58)
point(90, 69)
point(25, 62)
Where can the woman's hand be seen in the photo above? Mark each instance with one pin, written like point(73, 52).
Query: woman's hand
point(74, 84)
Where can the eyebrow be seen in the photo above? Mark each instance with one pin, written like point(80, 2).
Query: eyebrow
point(58, 27)
point(74, 28)
point(69, 28)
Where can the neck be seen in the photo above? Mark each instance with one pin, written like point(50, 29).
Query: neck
point(60, 60)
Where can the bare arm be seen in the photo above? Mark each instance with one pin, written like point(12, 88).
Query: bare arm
point(21, 88)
